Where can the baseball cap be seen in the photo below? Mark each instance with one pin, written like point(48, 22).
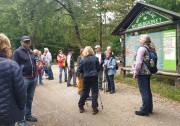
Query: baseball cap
point(97, 46)
point(25, 38)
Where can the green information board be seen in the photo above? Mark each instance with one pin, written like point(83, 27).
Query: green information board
point(148, 18)
point(165, 43)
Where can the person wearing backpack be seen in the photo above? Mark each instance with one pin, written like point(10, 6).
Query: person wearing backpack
point(143, 72)
point(110, 68)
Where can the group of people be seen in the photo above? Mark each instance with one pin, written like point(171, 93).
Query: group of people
point(20, 71)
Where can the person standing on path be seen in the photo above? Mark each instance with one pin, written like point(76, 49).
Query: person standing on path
point(143, 74)
point(71, 69)
point(48, 63)
point(101, 57)
point(89, 68)
point(110, 70)
point(80, 77)
point(26, 60)
point(12, 88)
point(61, 59)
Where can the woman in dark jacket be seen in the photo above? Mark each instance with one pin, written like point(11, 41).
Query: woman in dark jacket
point(89, 68)
point(12, 89)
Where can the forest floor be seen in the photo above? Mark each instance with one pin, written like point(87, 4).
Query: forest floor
point(55, 104)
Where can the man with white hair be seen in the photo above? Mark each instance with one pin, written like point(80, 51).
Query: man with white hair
point(101, 58)
point(48, 59)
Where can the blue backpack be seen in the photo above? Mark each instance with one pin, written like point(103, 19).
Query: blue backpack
point(152, 61)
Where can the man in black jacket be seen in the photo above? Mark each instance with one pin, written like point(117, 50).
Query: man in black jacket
point(71, 69)
point(26, 60)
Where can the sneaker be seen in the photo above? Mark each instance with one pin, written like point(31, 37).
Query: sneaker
point(31, 119)
point(141, 113)
point(95, 111)
point(81, 109)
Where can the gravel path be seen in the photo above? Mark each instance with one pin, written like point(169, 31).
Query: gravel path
point(56, 105)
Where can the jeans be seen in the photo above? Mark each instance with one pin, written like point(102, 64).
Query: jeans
point(60, 73)
point(100, 77)
point(90, 83)
point(49, 72)
point(30, 85)
point(111, 85)
point(145, 90)
point(71, 74)
point(8, 125)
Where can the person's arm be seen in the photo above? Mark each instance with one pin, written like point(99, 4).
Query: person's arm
point(139, 59)
point(16, 57)
point(80, 69)
point(18, 86)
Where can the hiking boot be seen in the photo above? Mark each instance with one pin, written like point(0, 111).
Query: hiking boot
point(141, 113)
point(95, 111)
point(81, 109)
point(31, 119)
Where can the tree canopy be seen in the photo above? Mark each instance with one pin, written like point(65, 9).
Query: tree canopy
point(63, 24)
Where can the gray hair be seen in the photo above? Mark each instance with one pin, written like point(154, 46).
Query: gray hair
point(146, 38)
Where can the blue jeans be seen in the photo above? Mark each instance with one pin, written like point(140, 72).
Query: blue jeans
point(145, 90)
point(90, 83)
point(111, 85)
point(30, 85)
point(60, 73)
point(49, 72)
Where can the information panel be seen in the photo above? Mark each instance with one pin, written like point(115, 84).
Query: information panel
point(165, 43)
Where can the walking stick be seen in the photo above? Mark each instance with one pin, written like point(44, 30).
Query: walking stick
point(101, 101)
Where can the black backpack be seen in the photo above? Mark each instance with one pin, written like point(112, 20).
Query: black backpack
point(152, 61)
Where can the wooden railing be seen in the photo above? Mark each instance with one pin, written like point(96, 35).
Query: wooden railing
point(158, 73)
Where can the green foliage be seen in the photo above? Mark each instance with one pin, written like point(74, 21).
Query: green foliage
point(51, 25)
point(172, 5)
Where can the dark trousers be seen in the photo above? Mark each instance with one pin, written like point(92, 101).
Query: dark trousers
point(90, 83)
point(145, 90)
point(100, 77)
point(71, 74)
point(31, 85)
point(110, 80)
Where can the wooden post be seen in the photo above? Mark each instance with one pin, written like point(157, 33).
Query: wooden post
point(123, 53)
point(177, 82)
point(178, 48)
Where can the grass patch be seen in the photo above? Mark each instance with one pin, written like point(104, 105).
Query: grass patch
point(162, 85)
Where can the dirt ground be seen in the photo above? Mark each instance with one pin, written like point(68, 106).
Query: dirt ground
point(56, 105)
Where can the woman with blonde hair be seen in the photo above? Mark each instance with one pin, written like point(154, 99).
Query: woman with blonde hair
point(12, 89)
point(89, 68)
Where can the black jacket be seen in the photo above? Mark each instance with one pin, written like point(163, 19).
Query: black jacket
point(89, 67)
point(12, 92)
point(26, 60)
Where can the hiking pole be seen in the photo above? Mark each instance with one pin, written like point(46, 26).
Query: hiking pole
point(100, 101)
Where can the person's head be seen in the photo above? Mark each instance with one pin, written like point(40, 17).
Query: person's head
point(46, 50)
point(36, 52)
point(145, 40)
point(5, 46)
point(60, 52)
point(26, 41)
point(108, 54)
point(109, 49)
point(40, 53)
point(88, 51)
point(98, 48)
